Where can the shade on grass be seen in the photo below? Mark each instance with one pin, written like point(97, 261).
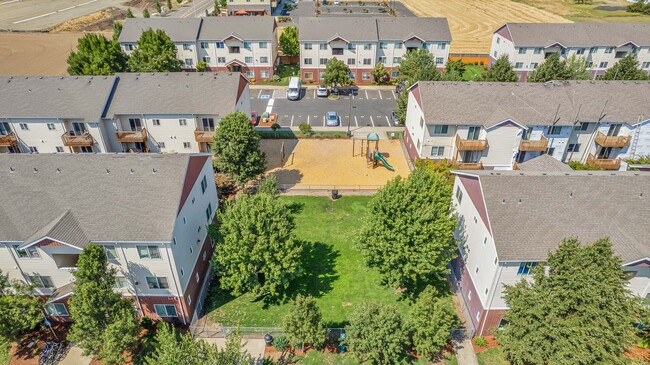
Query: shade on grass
point(334, 271)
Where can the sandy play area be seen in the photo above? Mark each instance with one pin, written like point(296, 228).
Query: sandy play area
point(472, 22)
point(36, 53)
point(323, 163)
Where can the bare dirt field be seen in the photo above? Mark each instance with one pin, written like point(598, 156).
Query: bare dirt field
point(35, 53)
point(472, 22)
point(330, 162)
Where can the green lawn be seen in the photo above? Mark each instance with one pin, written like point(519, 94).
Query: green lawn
point(320, 358)
point(335, 273)
point(285, 72)
point(472, 72)
point(491, 357)
point(5, 352)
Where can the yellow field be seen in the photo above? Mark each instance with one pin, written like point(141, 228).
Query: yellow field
point(472, 22)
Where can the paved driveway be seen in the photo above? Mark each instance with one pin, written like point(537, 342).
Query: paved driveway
point(371, 108)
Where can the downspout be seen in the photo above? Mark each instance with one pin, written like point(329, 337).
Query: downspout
point(135, 288)
point(178, 293)
point(487, 313)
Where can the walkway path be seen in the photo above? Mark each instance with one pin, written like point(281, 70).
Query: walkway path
point(465, 352)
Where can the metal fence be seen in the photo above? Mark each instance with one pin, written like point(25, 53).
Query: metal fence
point(316, 188)
point(333, 334)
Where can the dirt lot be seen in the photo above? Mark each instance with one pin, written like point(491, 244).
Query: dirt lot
point(473, 22)
point(35, 53)
point(330, 162)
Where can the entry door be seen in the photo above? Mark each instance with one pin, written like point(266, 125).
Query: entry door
point(208, 124)
point(78, 128)
point(473, 133)
point(4, 128)
point(136, 124)
point(614, 129)
point(604, 152)
point(236, 68)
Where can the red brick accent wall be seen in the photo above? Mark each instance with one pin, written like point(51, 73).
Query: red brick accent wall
point(256, 70)
point(410, 146)
point(490, 321)
point(466, 285)
point(194, 288)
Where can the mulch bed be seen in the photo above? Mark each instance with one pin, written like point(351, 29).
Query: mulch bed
point(491, 344)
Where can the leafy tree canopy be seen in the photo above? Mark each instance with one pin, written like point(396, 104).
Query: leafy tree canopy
point(336, 73)
point(402, 104)
point(407, 232)
point(289, 41)
point(553, 68)
point(431, 321)
point(268, 185)
point(145, 13)
point(376, 335)
point(237, 148)
point(304, 322)
point(129, 13)
point(97, 56)
point(454, 70)
point(626, 69)
point(155, 53)
point(500, 71)
point(380, 74)
point(21, 310)
point(258, 251)
point(418, 65)
point(577, 313)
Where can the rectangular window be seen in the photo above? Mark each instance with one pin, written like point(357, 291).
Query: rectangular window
point(645, 65)
point(383, 45)
point(498, 40)
point(121, 283)
point(337, 51)
point(440, 129)
point(219, 45)
point(580, 51)
point(398, 45)
point(206, 59)
point(609, 49)
point(367, 46)
point(247, 45)
point(573, 147)
point(221, 59)
point(265, 74)
point(233, 49)
point(554, 130)
point(56, 309)
point(111, 252)
point(367, 61)
point(309, 75)
point(189, 62)
point(307, 61)
point(156, 122)
point(381, 59)
point(322, 46)
point(156, 282)
point(148, 252)
point(550, 151)
point(440, 60)
point(161, 145)
point(522, 50)
point(459, 194)
point(165, 310)
point(24, 126)
point(33, 149)
point(603, 65)
point(583, 126)
point(187, 144)
point(208, 212)
point(42, 282)
point(51, 126)
point(262, 45)
point(350, 61)
point(525, 268)
point(365, 76)
point(351, 47)
point(519, 65)
point(323, 61)
point(397, 59)
point(204, 184)
point(186, 47)
point(129, 47)
point(27, 253)
point(437, 151)
point(537, 50)
point(248, 59)
point(182, 122)
point(442, 45)
point(59, 149)
point(264, 60)
point(593, 49)
point(394, 74)
point(534, 65)
point(308, 46)
point(620, 54)
point(204, 45)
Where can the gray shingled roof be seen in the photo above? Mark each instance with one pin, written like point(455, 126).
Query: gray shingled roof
point(579, 34)
point(109, 197)
point(555, 205)
point(352, 29)
point(402, 28)
point(544, 163)
point(65, 97)
point(175, 93)
point(489, 103)
point(244, 27)
point(178, 29)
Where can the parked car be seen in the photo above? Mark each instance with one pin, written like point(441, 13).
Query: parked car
point(393, 118)
point(334, 91)
point(293, 93)
point(400, 86)
point(336, 2)
point(254, 118)
point(322, 90)
point(333, 120)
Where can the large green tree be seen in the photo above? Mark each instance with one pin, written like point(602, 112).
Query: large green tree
point(96, 55)
point(454, 70)
point(117, 30)
point(21, 310)
point(407, 232)
point(304, 322)
point(258, 251)
point(554, 68)
point(237, 148)
point(418, 65)
point(289, 41)
point(336, 73)
point(376, 334)
point(500, 71)
point(380, 74)
point(402, 103)
point(155, 53)
point(103, 321)
point(626, 69)
point(576, 310)
point(431, 321)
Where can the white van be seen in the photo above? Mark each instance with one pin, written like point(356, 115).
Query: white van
point(294, 88)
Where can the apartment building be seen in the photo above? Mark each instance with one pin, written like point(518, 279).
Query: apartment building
point(362, 42)
point(137, 112)
point(527, 45)
point(182, 31)
point(505, 230)
point(172, 112)
point(492, 126)
point(150, 212)
point(251, 7)
point(235, 44)
point(53, 114)
point(239, 44)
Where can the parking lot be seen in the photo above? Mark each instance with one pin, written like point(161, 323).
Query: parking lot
point(365, 108)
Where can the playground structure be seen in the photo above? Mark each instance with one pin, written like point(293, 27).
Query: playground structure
point(375, 157)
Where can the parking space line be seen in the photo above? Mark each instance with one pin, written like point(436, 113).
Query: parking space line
point(394, 97)
point(308, 120)
point(366, 93)
point(259, 95)
point(372, 121)
point(292, 120)
point(9, 2)
point(388, 120)
point(355, 121)
point(323, 120)
point(380, 98)
point(314, 93)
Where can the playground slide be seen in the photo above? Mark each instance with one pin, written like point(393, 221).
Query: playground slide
point(381, 158)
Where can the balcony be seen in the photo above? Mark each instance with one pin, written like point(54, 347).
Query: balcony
point(471, 144)
point(612, 141)
point(8, 140)
point(72, 139)
point(132, 136)
point(604, 163)
point(469, 165)
point(204, 136)
point(529, 145)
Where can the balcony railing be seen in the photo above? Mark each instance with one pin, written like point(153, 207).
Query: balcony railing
point(72, 139)
point(204, 136)
point(604, 163)
point(131, 136)
point(8, 140)
point(469, 165)
point(471, 144)
point(612, 141)
point(528, 145)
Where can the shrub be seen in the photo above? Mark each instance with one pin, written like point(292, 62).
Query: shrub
point(337, 136)
point(147, 323)
point(281, 343)
point(275, 127)
point(305, 128)
point(480, 341)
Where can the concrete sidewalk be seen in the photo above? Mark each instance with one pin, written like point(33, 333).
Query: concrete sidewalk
point(465, 352)
point(314, 86)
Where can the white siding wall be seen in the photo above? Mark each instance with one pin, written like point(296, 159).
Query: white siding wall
point(414, 126)
point(640, 144)
point(501, 46)
point(503, 144)
point(45, 140)
point(559, 142)
point(255, 52)
point(640, 283)
point(508, 275)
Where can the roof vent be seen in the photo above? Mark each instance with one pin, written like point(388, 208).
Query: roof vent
point(641, 195)
point(503, 201)
point(108, 171)
point(519, 202)
point(153, 171)
point(571, 195)
point(12, 169)
point(58, 170)
point(132, 171)
point(35, 170)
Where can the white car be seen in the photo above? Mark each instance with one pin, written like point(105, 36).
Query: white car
point(333, 120)
point(322, 90)
point(336, 2)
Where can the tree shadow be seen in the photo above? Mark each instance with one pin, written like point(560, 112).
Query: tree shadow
point(295, 207)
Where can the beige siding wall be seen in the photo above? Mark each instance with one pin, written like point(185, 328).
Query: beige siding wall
point(503, 144)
